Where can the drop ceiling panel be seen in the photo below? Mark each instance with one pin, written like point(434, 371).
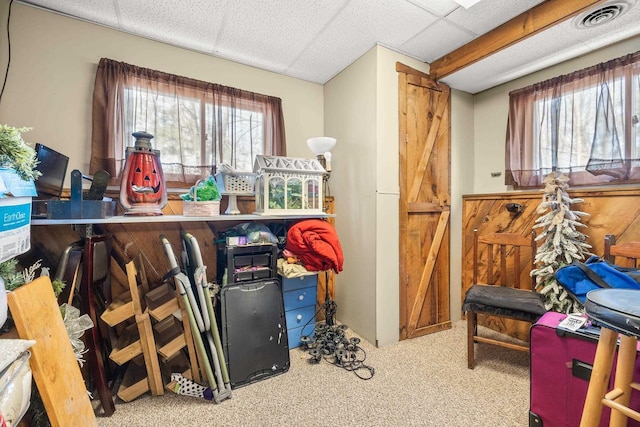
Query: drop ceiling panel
point(624, 27)
point(436, 41)
point(489, 14)
point(271, 32)
point(99, 11)
point(439, 8)
point(161, 20)
point(357, 29)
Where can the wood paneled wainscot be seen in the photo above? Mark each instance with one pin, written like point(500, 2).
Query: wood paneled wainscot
point(611, 211)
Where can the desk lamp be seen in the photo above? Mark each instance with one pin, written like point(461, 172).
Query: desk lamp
point(321, 147)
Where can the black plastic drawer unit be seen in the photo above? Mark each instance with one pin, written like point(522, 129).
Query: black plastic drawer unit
point(251, 262)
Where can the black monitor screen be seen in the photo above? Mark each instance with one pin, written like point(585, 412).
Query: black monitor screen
point(53, 167)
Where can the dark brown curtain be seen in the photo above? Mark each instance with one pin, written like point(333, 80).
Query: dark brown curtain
point(582, 124)
point(196, 125)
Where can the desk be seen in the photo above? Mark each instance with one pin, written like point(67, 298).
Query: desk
point(129, 236)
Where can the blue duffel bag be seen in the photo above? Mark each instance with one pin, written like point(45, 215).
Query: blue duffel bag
point(578, 278)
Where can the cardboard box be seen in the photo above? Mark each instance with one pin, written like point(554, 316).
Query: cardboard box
point(15, 214)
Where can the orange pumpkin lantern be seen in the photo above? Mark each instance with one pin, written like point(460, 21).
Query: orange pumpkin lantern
point(142, 187)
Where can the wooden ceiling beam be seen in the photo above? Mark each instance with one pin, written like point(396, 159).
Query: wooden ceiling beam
point(536, 19)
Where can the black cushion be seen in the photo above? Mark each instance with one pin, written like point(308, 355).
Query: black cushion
point(502, 301)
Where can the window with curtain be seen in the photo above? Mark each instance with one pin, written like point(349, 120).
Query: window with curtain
point(583, 124)
point(196, 125)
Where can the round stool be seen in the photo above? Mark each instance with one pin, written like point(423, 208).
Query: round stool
point(616, 311)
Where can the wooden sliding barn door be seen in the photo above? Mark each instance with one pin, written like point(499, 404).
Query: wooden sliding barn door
point(425, 170)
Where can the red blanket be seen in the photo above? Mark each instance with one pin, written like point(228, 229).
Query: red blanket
point(316, 244)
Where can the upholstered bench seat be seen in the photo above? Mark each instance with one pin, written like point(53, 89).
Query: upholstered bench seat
point(503, 301)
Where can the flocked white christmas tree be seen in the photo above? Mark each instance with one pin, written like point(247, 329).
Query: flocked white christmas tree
point(562, 242)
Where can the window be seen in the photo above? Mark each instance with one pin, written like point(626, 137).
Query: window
point(583, 124)
point(196, 125)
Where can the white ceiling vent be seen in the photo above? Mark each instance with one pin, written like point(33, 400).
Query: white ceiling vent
point(603, 14)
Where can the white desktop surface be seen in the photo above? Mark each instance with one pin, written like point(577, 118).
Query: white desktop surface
point(124, 219)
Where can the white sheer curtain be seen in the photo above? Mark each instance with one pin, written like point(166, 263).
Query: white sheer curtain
point(196, 125)
point(584, 124)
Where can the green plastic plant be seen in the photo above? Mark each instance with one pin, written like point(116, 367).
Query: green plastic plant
point(16, 154)
point(13, 279)
point(205, 191)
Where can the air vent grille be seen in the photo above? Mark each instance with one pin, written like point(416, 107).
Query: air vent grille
point(602, 15)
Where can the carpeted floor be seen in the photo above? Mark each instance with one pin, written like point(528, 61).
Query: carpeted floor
point(418, 382)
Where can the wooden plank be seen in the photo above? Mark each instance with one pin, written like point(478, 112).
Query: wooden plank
point(424, 207)
point(119, 310)
point(133, 287)
point(527, 24)
point(134, 384)
point(55, 369)
point(148, 344)
point(429, 329)
point(418, 177)
point(128, 345)
point(427, 272)
point(326, 280)
point(403, 220)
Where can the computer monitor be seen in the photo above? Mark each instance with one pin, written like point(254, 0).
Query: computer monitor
point(53, 167)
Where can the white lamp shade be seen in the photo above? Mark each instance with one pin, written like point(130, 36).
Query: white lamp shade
point(321, 144)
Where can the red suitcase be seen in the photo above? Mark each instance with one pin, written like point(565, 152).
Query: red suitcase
point(560, 365)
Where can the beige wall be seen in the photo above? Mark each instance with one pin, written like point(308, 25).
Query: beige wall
point(491, 108)
point(462, 154)
point(349, 116)
point(53, 65)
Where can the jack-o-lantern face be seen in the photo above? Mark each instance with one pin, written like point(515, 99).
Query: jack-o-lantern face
point(143, 177)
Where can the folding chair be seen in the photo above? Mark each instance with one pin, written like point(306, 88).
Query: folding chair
point(199, 319)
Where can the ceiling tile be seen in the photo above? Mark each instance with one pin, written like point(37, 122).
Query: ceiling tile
point(275, 33)
point(100, 11)
point(357, 29)
point(624, 26)
point(439, 8)
point(161, 20)
point(489, 14)
point(436, 41)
